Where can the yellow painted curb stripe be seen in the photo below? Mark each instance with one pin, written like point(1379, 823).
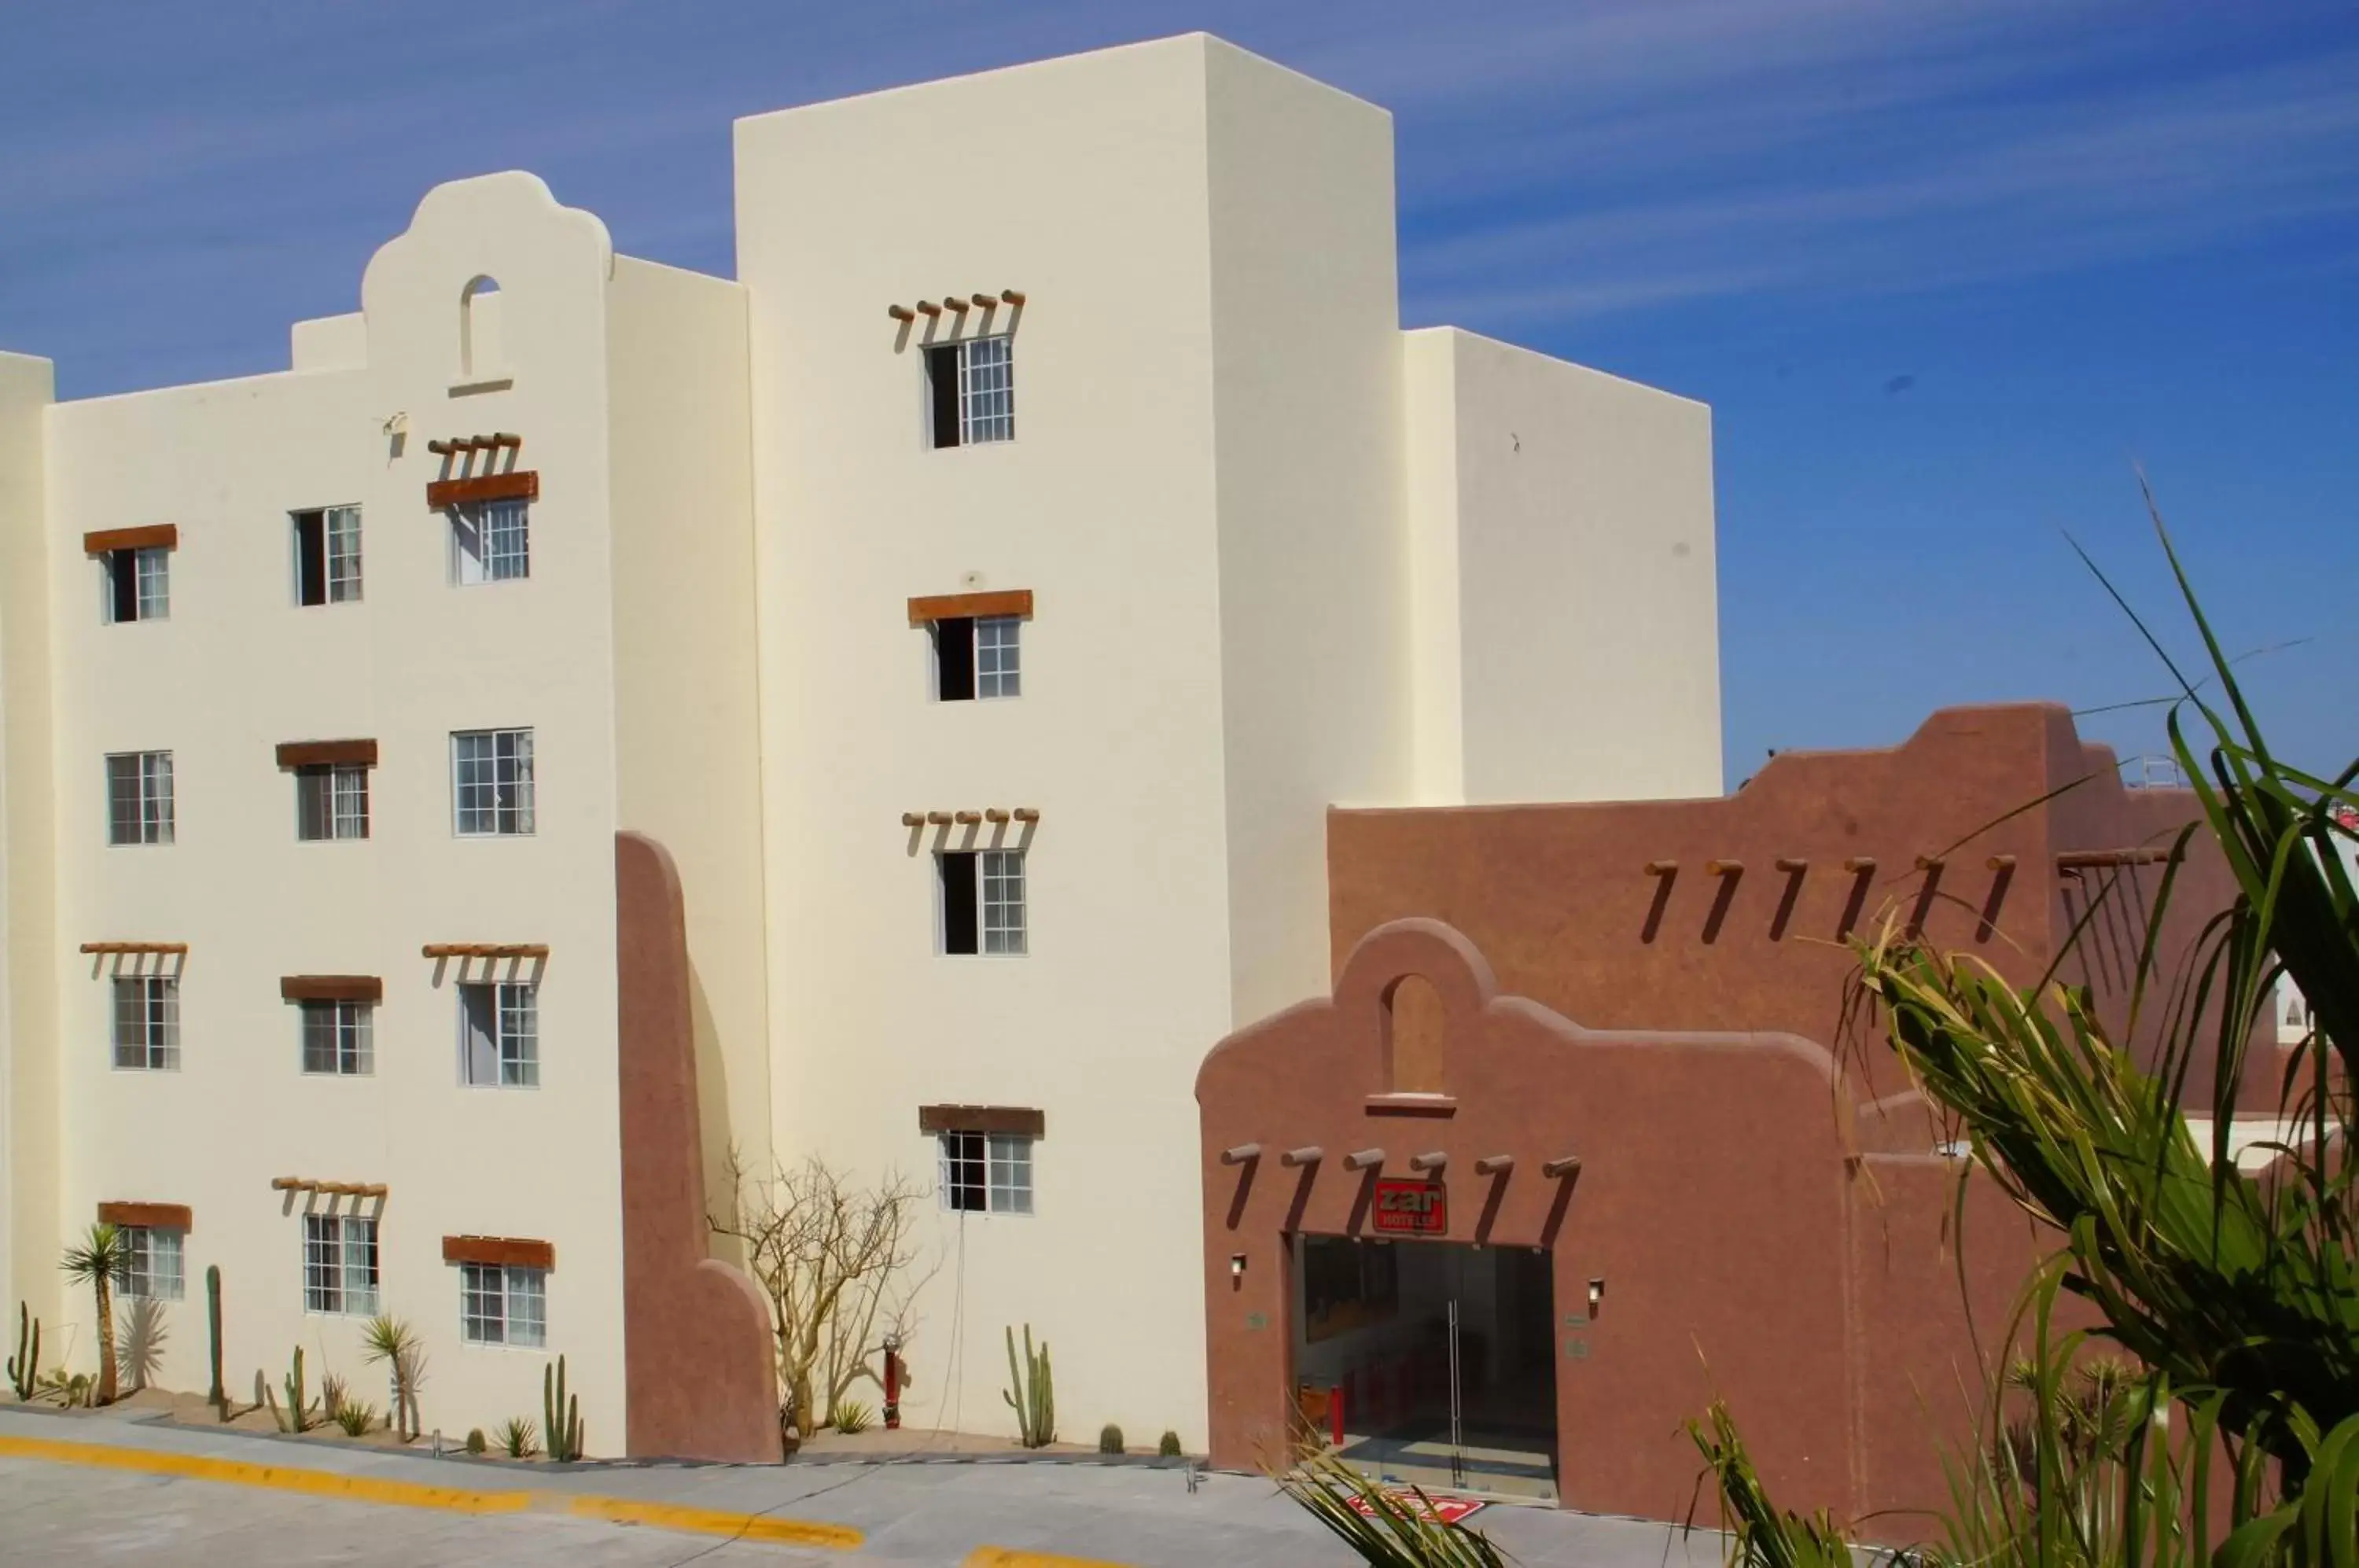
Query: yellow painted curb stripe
point(720, 1522)
point(1007, 1557)
point(279, 1477)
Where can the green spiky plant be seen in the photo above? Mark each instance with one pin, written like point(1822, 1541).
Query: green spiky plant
point(24, 1366)
point(1033, 1393)
point(393, 1343)
point(1387, 1528)
point(2237, 1297)
point(560, 1417)
point(850, 1417)
point(99, 1261)
point(516, 1438)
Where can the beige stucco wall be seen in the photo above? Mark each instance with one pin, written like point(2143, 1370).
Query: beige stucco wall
point(1093, 203)
point(29, 1130)
point(1575, 510)
point(688, 742)
point(238, 667)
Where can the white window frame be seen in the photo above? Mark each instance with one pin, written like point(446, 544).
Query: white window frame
point(503, 1305)
point(344, 1031)
point(343, 791)
point(1001, 918)
point(985, 1172)
point(154, 1263)
point(513, 1061)
point(339, 1265)
point(151, 585)
point(150, 780)
point(149, 1004)
point(480, 775)
point(491, 541)
point(998, 657)
point(340, 540)
point(986, 390)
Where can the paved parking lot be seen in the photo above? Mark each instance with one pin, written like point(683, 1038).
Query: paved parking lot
point(933, 1515)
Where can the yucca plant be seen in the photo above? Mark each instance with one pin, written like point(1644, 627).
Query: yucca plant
point(518, 1437)
point(387, 1339)
point(1759, 1531)
point(99, 1261)
point(1387, 1528)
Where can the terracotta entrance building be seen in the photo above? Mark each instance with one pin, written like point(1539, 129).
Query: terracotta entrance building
point(1599, 1041)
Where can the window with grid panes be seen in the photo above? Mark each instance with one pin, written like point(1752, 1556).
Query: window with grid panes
point(491, 541)
point(503, 1304)
point(980, 899)
point(147, 1025)
point(327, 556)
point(137, 585)
point(139, 797)
point(971, 387)
point(491, 782)
point(499, 1034)
point(986, 1173)
point(339, 1264)
point(997, 669)
point(332, 800)
point(153, 1267)
point(338, 1038)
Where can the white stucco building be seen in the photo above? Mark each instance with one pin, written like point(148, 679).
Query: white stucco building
point(981, 598)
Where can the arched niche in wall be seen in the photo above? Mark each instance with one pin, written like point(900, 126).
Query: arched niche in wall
point(1413, 1035)
point(483, 350)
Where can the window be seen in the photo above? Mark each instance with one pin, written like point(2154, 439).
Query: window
point(977, 657)
point(332, 800)
point(490, 541)
point(491, 778)
point(139, 797)
point(327, 556)
point(987, 1172)
point(339, 1264)
point(503, 1304)
point(499, 1034)
point(152, 1267)
point(982, 901)
point(337, 1039)
point(972, 391)
point(138, 584)
point(148, 1022)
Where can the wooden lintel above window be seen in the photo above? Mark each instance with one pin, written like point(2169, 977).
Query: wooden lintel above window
point(147, 1216)
point(521, 485)
point(331, 989)
point(327, 753)
point(983, 1119)
point(957, 606)
point(328, 1189)
point(485, 950)
point(155, 535)
point(169, 949)
point(500, 1249)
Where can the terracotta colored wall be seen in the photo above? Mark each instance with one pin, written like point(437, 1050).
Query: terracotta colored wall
point(696, 1333)
point(1558, 897)
point(1743, 1254)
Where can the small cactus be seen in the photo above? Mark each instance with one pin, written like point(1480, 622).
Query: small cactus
point(561, 1418)
point(301, 1414)
point(1169, 1446)
point(219, 1396)
point(23, 1367)
point(1110, 1439)
point(475, 1444)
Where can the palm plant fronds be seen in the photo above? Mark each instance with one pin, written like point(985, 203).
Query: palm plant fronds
point(99, 1261)
point(1760, 1534)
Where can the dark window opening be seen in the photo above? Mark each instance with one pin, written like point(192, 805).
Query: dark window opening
point(942, 390)
point(966, 1183)
point(123, 582)
point(311, 557)
point(954, 659)
point(960, 927)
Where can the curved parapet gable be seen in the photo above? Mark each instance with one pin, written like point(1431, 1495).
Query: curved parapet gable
point(698, 1381)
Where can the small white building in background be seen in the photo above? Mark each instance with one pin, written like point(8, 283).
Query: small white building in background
point(982, 598)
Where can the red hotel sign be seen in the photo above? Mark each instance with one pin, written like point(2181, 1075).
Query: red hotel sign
point(1412, 1208)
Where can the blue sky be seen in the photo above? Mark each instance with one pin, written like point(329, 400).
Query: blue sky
point(1948, 272)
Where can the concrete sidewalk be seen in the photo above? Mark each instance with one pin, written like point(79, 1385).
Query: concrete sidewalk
point(231, 1497)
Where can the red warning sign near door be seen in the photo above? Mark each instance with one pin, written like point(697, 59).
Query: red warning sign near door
point(1412, 1208)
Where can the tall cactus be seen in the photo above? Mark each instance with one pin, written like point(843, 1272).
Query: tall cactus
point(23, 1367)
point(561, 1418)
point(1033, 1399)
point(219, 1396)
point(300, 1415)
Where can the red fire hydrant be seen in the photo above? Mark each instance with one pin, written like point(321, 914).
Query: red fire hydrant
point(892, 1383)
